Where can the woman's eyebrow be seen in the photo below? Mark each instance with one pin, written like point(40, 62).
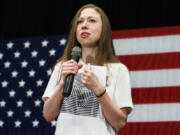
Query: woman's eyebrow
point(88, 17)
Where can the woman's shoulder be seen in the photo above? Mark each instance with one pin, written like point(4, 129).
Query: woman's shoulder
point(57, 65)
point(118, 66)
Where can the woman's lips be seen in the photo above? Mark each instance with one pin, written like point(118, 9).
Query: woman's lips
point(85, 34)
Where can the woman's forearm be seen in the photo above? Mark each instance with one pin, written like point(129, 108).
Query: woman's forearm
point(52, 105)
point(113, 114)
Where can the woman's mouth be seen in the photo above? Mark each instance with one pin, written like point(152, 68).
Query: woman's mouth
point(85, 34)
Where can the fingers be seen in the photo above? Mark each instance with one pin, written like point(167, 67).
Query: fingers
point(80, 66)
point(70, 67)
point(87, 70)
point(87, 75)
point(71, 64)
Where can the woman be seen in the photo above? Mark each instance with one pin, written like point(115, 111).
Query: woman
point(93, 108)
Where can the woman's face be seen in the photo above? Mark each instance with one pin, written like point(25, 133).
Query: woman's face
point(89, 27)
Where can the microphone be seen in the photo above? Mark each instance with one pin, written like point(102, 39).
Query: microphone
point(75, 55)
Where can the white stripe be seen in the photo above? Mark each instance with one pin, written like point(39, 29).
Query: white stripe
point(155, 78)
point(155, 112)
point(144, 45)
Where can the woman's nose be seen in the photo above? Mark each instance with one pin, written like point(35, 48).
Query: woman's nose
point(84, 25)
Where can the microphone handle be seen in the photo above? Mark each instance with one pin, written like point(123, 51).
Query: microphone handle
point(69, 80)
point(68, 85)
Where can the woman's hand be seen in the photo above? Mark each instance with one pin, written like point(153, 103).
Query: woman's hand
point(69, 67)
point(91, 81)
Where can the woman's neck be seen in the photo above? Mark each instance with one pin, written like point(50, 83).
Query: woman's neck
point(88, 52)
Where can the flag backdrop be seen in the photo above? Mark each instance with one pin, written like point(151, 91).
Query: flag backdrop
point(152, 56)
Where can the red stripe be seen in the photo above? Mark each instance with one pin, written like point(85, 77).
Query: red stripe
point(156, 95)
point(146, 32)
point(151, 128)
point(151, 61)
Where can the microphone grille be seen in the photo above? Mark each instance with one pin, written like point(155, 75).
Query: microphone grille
point(76, 51)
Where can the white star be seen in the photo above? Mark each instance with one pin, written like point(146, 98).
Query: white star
point(22, 83)
point(4, 84)
point(53, 123)
point(1, 56)
point(1, 123)
point(35, 123)
point(39, 83)
point(52, 52)
point(31, 73)
point(37, 102)
point(14, 74)
point(48, 72)
point(17, 123)
point(17, 54)
point(62, 41)
point(19, 103)
point(10, 45)
point(42, 63)
point(24, 64)
point(7, 64)
point(27, 113)
point(2, 103)
point(44, 43)
point(29, 93)
point(12, 93)
point(27, 44)
point(34, 53)
point(10, 113)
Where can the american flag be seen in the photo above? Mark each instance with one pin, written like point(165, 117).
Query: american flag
point(25, 70)
point(152, 56)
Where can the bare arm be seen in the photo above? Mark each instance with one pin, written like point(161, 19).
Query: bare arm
point(115, 116)
point(52, 105)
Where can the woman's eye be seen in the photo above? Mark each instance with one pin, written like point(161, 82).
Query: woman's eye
point(79, 22)
point(92, 20)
